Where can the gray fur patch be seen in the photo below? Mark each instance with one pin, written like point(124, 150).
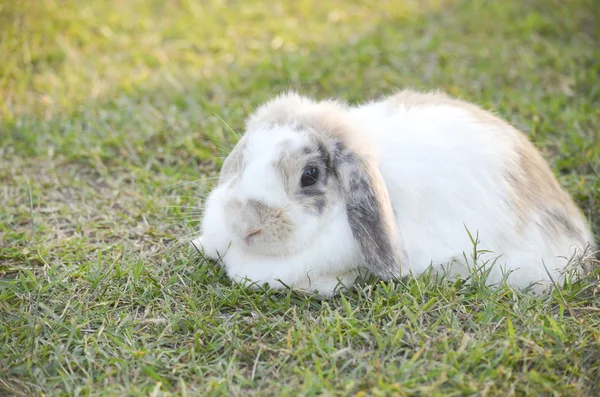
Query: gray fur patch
point(291, 162)
point(324, 154)
point(311, 191)
point(369, 222)
point(557, 221)
point(320, 204)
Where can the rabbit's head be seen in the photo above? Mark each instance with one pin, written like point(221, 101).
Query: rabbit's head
point(300, 168)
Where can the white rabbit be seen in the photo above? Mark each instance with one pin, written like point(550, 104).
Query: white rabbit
point(314, 192)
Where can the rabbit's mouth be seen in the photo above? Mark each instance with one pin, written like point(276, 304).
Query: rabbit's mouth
point(252, 235)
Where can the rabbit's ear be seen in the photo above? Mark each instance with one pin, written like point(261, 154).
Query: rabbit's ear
point(369, 211)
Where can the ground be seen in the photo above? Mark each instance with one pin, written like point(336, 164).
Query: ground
point(115, 115)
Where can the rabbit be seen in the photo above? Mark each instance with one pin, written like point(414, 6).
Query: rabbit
point(317, 193)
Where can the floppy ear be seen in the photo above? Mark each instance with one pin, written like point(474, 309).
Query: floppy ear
point(370, 212)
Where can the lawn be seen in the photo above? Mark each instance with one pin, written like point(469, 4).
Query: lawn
point(114, 117)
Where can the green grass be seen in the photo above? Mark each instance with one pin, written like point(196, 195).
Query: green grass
point(105, 107)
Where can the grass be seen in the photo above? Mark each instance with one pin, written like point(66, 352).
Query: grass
point(105, 107)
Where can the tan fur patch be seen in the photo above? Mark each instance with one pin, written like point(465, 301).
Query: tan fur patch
point(271, 221)
point(410, 99)
point(536, 188)
point(326, 117)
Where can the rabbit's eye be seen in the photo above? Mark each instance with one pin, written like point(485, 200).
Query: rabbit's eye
point(310, 176)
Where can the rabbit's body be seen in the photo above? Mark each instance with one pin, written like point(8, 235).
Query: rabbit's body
point(448, 167)
point(401, 180)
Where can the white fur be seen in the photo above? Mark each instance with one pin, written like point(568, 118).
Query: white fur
point(443, 171)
